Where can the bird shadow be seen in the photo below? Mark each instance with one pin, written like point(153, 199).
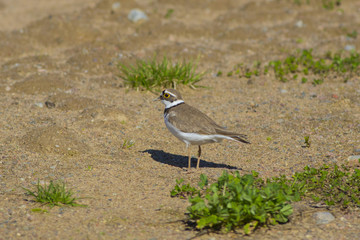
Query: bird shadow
point(182, 161)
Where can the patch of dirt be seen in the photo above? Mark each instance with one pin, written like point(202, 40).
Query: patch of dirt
point(65, 113)
point(53, 139)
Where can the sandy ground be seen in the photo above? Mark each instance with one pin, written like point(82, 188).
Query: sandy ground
point(67, 54)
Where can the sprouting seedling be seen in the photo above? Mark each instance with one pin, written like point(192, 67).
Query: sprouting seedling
point(169, 13)
point(307, 141)
point(128, 144)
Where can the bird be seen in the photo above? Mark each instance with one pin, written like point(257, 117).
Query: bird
point(192, 126)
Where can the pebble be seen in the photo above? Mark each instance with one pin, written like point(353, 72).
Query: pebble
point(283, 91)
point(39, 104)
point(349, 47)
point(299, 24)
point(354, 160)
point(29, 217)
point(115, 6)
point(323, 217)
point(354, 157)
point(136, 15)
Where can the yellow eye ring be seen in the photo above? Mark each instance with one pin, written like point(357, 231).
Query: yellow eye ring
point(166, 95)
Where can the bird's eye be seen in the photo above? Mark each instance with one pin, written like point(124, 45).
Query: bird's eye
point(166, 95)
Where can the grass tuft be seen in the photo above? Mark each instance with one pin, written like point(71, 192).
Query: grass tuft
point(54, 194)
point(153, 75)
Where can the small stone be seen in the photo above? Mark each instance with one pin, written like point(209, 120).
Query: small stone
point(280, 120)
point(283, 91)
point(39, 104)
point(354, 160)
point(299, 24)
point(7, 88)
point(323, 217)
point(29, 217)
point(115, 6)
point(136, 15)
point(349, 48)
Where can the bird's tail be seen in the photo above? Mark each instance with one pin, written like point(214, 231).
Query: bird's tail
point(240, 138)
point(234, 136)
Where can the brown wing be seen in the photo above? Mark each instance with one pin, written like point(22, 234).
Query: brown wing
point(193, 120)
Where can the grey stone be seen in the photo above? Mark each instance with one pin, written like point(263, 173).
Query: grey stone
point(136, 15)
point(349, 47)
point(354, 158)
point(323, 217)
point(115, 6)
point(299, 24)
point(39, 104)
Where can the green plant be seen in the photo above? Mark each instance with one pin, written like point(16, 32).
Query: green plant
point(330, 4)
point(169, 13)
point(326, 4)
point(332, 185)
point(307, 141)
point(299, 2)
point(39, 210)
point(151, 75)
point(317, 82)
point(183, 190)
point(240, 201)
point(219, 74)
point(248, 202)
point(128, 144)
point(54, 194)
point(304, 63)
point(353, 34)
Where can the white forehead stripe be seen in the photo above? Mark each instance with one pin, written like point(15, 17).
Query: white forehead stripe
point(170, 93)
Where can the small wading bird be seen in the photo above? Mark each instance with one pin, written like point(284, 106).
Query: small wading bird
point(192, 126)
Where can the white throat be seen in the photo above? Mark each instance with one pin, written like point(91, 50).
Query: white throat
point(171, 104)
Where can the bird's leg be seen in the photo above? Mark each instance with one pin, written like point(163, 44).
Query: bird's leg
point(189, 154)
point(198, 161)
